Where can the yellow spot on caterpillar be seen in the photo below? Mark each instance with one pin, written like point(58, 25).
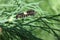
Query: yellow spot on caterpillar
point(0, 29)
point(11, 19)
point(25, 13)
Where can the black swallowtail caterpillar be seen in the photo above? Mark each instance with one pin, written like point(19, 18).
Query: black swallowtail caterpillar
point(25, 14)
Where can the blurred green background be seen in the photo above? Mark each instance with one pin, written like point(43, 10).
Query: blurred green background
point(45, 24)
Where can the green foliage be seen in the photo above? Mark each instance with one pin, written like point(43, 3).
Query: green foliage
point(44, 25)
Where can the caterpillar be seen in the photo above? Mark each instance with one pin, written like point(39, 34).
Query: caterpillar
point(25, 14)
